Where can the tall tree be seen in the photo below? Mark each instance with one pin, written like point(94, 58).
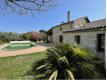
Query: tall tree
point(42, 31)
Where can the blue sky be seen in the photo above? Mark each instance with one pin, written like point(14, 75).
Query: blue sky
point(94, 9)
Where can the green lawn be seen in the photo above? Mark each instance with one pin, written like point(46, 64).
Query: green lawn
point(16, 67)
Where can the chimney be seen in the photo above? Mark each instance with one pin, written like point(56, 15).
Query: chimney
point(68, 16)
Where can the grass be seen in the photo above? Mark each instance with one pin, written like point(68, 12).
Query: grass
point(16, 67)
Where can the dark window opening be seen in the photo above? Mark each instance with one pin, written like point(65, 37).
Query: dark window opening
point(60, 38)
point(77, 39)
point(60, 28)
point(100, 42)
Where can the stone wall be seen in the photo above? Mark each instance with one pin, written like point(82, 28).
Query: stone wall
point(57, 32)
point(66, 27)
point(50, 38)
point(87, 39)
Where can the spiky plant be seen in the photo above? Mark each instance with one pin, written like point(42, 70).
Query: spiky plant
point(69, 62)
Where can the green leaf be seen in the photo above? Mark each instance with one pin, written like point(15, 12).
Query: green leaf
point(70, 75)
point(84, 53)
point(64, 61)
point(88, 68)
point(42, 66)
point(54, 75)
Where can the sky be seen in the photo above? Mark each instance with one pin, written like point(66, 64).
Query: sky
point(94, 9)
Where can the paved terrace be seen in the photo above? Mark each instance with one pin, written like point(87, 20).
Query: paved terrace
point(38, 48)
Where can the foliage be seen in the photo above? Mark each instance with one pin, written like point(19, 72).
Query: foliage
point(26, 36)
point(8, 36)
point(43, 36)
point(70, 62)
point(33, 36)
point(42, 31)
point(1, 42)
point(23, 7)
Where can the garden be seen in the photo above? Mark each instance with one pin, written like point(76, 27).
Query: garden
point(62, 61)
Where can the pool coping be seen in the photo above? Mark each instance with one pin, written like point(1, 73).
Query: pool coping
point(7, 44)
point(4, 45)
point(22, 52)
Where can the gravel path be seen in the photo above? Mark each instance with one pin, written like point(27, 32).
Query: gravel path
point(38, 48)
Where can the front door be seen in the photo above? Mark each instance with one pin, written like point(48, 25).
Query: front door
point(100, 42)
point(61, 38)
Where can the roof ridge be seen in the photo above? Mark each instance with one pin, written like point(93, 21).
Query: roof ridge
point(79, 18)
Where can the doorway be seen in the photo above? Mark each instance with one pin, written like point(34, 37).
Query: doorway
point(100, 42)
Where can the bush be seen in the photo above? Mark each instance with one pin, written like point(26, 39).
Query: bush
point(71, 62)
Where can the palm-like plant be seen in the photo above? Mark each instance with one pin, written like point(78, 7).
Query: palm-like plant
point(69, 62)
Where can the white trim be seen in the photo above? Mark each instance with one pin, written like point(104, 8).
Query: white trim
point(20, 42)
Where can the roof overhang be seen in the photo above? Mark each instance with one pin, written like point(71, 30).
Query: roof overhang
point(102, 28)
point(49, 32)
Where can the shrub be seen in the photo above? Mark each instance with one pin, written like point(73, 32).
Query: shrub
point(65, 61)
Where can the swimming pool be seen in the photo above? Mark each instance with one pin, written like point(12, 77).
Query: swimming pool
point(18, 46)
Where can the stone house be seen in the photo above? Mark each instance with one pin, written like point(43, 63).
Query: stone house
point(81, 31)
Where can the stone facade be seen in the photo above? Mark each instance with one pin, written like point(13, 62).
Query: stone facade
point(89, 33)
point(57, 31)
point(50, 38)
point(87, 39)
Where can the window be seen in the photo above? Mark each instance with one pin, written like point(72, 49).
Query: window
point(60, 28)
point(77, 39)
point(72, 26)
point(60, 38)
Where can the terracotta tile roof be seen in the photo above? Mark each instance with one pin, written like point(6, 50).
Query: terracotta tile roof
point(92, 25)
point(95, 24)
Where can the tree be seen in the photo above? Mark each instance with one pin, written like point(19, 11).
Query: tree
point(42, 31)
point(26, 6)
point(33, 36)
point(9, 36)
point(43, 36)
point(26, 36)
point(70, 62)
